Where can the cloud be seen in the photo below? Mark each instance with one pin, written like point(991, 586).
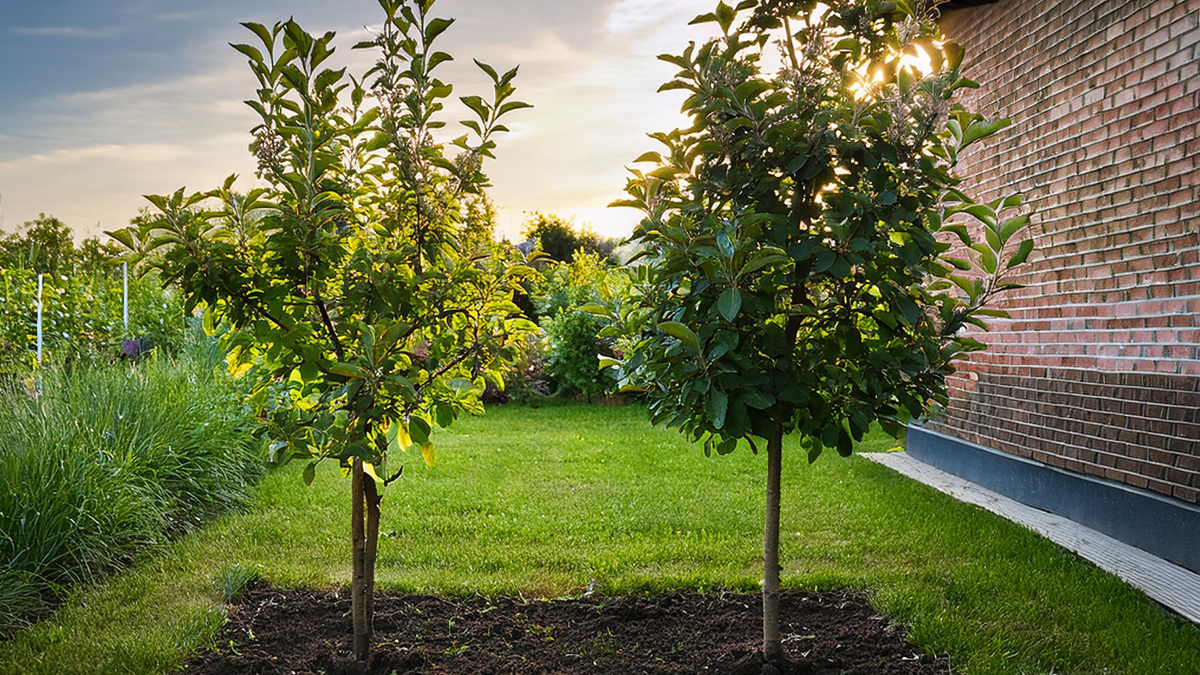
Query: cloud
point(588, 67)
point(632, 16)
point(141, 152)
point(64, 31)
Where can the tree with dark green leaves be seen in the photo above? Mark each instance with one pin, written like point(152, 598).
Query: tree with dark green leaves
point(347, 287)
point(559, 238)
point(808, 270)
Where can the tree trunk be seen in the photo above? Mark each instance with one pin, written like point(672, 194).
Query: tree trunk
point(373, 500)
point(772, 644)
point(358, 580)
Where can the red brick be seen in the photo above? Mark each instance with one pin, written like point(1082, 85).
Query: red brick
point(1099, 369)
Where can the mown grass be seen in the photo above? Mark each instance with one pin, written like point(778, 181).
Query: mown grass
point(101, 464)
point(543, 502)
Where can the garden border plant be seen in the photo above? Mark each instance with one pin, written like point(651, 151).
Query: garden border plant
point(794, 282)
point(345, 285)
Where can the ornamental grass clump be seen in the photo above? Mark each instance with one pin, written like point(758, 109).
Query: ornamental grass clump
point(98, 466)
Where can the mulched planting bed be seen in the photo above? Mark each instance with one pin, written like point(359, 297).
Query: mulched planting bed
point(273, 632)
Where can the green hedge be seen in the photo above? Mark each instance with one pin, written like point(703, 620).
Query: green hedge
point(99, 464)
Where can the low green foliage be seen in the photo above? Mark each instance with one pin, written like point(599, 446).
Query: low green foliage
point(573, 340)
point(82, 317)
point(543, 501)
point(98, 465)
point(573, 336)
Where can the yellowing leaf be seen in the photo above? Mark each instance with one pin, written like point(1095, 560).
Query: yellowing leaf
point(428, 454)
point(398, 437)
point(370, 469)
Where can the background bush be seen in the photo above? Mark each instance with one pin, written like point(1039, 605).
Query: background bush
point(572, 337)
point(103, 463)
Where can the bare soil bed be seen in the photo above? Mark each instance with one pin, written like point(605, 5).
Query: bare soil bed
point(273, 632)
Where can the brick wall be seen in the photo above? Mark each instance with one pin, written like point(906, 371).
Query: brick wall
point(1098, 370)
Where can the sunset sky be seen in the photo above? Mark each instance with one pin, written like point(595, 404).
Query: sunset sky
point(105, 100)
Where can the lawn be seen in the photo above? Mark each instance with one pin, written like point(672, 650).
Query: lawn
point(544, 502)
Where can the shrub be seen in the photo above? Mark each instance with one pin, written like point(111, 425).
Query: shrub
point(527, 379)
point(572, 336)
point(572, 339)
point(102, 463)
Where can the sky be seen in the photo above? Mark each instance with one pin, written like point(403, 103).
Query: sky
point(107, 100)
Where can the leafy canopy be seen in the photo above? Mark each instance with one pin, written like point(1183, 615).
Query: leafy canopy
point(350, 286)
point(799, 272)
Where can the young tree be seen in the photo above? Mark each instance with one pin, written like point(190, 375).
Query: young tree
point(344, 281)
point(795, 284)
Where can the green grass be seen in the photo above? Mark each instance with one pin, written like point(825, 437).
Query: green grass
point(543, 501)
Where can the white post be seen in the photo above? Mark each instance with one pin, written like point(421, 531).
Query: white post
point(39, 320)
point(125, 294)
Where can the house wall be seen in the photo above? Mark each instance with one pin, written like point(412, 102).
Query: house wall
point(1098, 370)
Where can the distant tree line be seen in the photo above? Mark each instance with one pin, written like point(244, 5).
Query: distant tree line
point(559, 238)
point(46, 245)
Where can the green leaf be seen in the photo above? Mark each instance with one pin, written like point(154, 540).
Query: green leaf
point(250, 52)
point(730, 303)
point(954, 54)
point(436, 28)
point(594, 309)
point(987, 258)
point(993, 238)
point(310, 472)
point(978, 130)
point(1022, 254)
point(261, 31)
point(348, 370)
point(749, 90)
point(763, 262)
point(419, 429)
point(1012, 226)
point(491, 72)
point(681, 333)
point(511, 106)
point(758, 400)
point(717, 406)
point(477, 105)
point(845, 445)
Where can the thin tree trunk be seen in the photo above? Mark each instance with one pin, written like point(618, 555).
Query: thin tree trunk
point(772, 644)
point(373, 500)
point(358, 585)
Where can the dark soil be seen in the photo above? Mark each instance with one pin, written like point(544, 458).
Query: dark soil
point(272, 632)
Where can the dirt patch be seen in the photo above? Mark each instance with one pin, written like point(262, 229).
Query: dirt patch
point(273, 632)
